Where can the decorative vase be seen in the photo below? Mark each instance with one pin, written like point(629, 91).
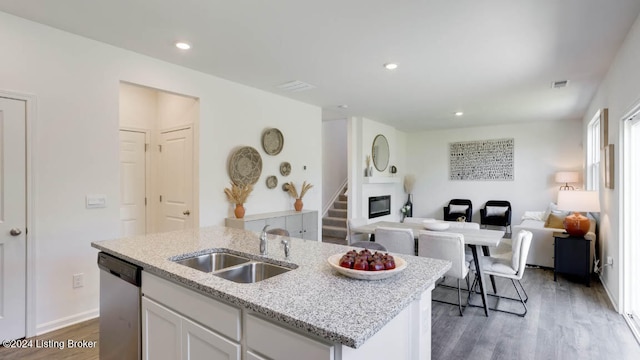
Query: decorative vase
point(298, 205)
point(239, 211)
point(409, 212)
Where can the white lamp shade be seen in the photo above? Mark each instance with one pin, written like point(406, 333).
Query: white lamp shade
point(567, 177)
point(581, 201)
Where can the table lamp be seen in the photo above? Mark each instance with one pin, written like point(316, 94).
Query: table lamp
point(578, 201)
point(567, 177)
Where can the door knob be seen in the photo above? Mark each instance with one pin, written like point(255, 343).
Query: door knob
point(186, 212)
point(15, 232)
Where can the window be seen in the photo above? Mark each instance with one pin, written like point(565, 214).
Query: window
point(593, 153)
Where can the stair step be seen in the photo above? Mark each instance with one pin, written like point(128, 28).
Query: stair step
point(340, 204)
point(334, 231)
point(343, 197)
point(334, 221)
point(338, 213)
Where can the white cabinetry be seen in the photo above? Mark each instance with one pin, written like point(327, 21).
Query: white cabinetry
point(179, 323)
point(170, 332)
point(301, 224)
point(276, 342)
point(169, 335)
point(161, 338)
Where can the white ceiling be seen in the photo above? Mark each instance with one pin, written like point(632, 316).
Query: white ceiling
point(493, 59)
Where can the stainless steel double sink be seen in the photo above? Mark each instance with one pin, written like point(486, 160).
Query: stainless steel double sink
point(233, 267)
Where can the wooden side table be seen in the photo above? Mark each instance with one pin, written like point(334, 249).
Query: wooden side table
point(572, 255)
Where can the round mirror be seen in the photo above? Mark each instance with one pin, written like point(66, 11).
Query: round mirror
point(380, 152)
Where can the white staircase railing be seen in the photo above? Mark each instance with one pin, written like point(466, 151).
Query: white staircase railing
point(335, 196)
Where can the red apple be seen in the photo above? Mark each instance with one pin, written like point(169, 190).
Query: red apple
point(361, 264)
point(347, 261)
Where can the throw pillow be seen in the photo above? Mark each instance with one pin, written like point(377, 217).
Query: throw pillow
point(458, 209)
point(534, 215)
point(497, 210)
point(552, 207)
point(555, 221)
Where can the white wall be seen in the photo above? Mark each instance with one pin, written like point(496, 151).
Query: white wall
point(362, 133)
point(75, 149)
point(334, 153)
point(619, 92)
point(540, 149)
point(138, 107)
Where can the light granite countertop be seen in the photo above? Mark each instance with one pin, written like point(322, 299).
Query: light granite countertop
point(313, 298)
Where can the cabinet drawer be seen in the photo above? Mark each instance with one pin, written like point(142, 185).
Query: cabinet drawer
point(276, 342)
point(213, 314)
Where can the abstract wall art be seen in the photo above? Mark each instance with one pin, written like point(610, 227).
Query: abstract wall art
point(481, 160)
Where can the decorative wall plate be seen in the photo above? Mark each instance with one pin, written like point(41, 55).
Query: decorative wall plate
point(245, 166)
point(272, 141)
point(285, 168)
point(272, 182)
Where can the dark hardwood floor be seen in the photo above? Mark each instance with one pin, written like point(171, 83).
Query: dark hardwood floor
point(566, 320)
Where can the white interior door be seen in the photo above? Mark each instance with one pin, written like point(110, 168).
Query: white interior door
point(176, 180)
point(13, 218)
point(132, 183)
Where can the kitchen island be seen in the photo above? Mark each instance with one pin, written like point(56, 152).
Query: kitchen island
point(311, 308)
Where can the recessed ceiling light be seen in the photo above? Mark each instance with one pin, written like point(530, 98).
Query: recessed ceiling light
point(183, 46)
point(390, 66)
point(343, 106)
point(458, 113)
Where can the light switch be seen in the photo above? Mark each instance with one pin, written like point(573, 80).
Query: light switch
point(96, 201)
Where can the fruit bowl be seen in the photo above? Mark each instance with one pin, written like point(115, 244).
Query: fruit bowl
point(435, 225)
point(334, 261)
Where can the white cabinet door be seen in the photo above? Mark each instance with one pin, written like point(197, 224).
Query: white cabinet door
point(201, 343)
point(161, 334)
point(294, 225)
point(310, 226)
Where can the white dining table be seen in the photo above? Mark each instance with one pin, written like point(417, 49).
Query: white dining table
point(475, 238)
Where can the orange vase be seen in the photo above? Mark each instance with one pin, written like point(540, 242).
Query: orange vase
point(239, 211)
point(298, 205)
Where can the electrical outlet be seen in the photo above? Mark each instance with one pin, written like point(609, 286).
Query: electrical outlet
point(78, 280)
point(609, 260)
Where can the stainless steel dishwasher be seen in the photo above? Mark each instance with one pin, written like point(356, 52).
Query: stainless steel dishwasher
point(120, 327)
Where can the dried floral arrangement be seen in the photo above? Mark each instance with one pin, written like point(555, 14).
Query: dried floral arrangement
point(409, 182)
point(238, 193)
point(294, 192)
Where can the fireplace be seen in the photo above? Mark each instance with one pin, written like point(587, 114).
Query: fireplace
point(379, 206)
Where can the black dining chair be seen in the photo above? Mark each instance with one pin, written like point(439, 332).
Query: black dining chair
point(458, 208)
point(496, 213)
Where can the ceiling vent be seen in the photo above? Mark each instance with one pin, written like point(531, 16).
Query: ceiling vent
point(559, 84)
point(295, 86)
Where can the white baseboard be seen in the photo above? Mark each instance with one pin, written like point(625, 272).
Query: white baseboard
point(633, 326)
point(67, 321)
point(611, 298)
